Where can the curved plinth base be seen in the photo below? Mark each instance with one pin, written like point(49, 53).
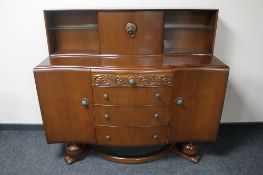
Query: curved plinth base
point(135, 160)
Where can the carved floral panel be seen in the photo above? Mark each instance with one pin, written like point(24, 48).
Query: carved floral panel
point(141, 80)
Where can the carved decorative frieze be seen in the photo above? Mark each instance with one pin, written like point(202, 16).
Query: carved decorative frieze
point(140, 80)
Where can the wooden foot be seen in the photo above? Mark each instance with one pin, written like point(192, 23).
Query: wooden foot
point(75, 152)
point(188, 151)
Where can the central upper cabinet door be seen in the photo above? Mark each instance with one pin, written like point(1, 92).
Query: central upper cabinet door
point(143, 34)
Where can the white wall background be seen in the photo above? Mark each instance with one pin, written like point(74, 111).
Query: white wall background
point(23, 45)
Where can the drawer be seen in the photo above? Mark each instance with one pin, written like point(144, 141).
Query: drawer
point(132, 115)
point(131, 32)
point(131, 136)
point(132, 78)
point(131, 96)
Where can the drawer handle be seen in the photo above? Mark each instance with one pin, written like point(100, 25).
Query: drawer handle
point(106, 96)
point(108, 137)
point(179, 101)
point(131, 81)
point(156, 115)
point(107, 116)
point(131, 29)
point(85, 102)
point(155, 136)
point(157, 95)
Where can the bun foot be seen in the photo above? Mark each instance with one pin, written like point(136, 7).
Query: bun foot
point(69, 160)
point(74, 152)
point(189, 151)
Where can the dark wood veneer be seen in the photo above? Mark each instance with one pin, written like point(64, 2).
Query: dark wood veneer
point(60, 92)
point(153, 81)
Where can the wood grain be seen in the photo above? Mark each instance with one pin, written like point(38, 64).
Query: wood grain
point(132, 116)
point(60, 92)
point(132, 96)
point(131, 136)
point(113, 37)
point(203, 92)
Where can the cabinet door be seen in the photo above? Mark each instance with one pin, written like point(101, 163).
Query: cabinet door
point(202, 91)
point(146, 28)
point(60, 92)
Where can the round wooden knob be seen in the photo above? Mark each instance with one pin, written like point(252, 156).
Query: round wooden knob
point(108, 137)
point(155, 136)
point(156, 115)
point(107, 116)
point(131, 81)
point(85, 102)
point(106, 96)
point(157, 95)
point(179, 101)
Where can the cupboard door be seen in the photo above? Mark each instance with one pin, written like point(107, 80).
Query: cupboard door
point(131, 32)
point(201, 93)
point(62, 93)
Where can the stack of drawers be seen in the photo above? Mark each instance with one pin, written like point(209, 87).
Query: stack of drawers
point(132, 108)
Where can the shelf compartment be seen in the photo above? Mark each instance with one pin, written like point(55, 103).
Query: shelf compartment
point(180, 40)
point(72, 31)
point(189, 31)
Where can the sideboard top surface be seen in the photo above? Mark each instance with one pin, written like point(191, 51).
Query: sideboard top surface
point(131, 62)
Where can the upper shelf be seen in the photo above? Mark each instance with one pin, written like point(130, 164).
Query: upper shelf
point(75, 27)
point(186, 26)
point(168, 32)
point(95, 27)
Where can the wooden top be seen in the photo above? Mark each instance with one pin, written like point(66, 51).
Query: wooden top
point(130, 61)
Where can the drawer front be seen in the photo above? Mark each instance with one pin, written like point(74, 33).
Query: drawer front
point(131, 96)
point(113, 78)
point(132, 116)
point(131, 32)
point(131, 136)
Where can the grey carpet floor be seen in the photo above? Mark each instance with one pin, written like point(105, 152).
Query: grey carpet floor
point(238, 150)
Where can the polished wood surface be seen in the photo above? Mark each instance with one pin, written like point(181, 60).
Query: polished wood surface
point(150, 78)
point(131, 136)
point(67, 31)
point(120, 78)
point(189, 31)
point(203, 92)
point(132, 115)
point(135, 160)
point(75, 152)
point(125, 62)
point(69, 41)
point(188, 150)
point(60, 92)
point(148, 38)
point(132, 96)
